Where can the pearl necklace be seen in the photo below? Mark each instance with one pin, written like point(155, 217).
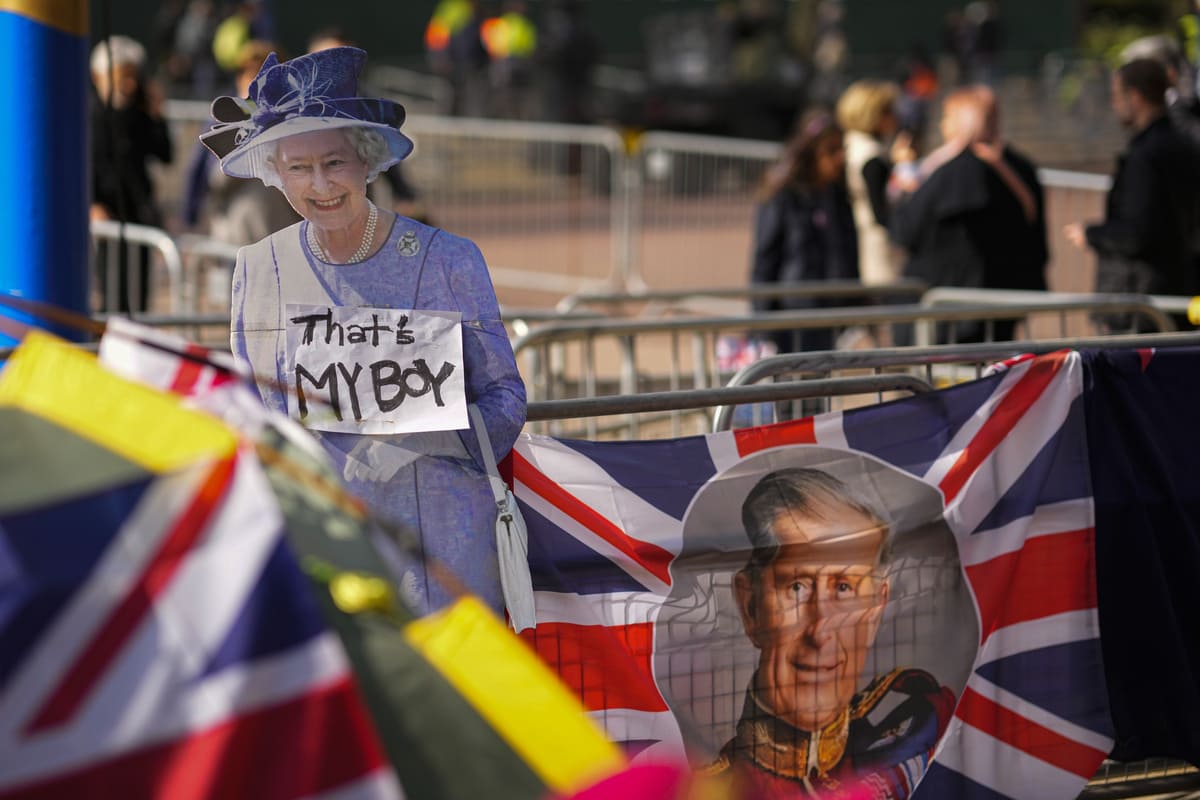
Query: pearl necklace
point(364, 246)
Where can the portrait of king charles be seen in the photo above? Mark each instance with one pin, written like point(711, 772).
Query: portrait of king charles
point(818, 716)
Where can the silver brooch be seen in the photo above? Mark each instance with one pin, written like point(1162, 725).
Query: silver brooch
point(409, 244)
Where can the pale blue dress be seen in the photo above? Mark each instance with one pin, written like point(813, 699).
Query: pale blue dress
point(434, 483)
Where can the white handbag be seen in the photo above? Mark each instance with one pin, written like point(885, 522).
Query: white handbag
point(512, 539)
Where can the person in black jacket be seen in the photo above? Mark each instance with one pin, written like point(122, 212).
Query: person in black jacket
point(1019, 252)
point(804, 227)
point(1145, 243)
point(974, 220)
point(128, 130)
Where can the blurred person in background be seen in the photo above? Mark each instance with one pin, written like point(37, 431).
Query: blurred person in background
point(567, 53)
point(238, 211)
point(962, 220)
point(1145, 245)
point(1188, 30)
point(1022, 252)
point(982, 19)
point(249, 20)
point(803, 225)
point(919, 87)
point(1183, 107)
point(866, 112)
point(454, 46)
point(511, 41)
point(128, 131)
point(187, 35)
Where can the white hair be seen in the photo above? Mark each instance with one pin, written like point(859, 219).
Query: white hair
point(123, 51)
point(370, 146)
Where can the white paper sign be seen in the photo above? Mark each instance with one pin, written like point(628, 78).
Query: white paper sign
point(375, 370)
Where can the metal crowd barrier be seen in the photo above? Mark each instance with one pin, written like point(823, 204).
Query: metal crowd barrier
point(937, 365)
point(559, 208)
point(212, 327)
point(1157, 777)
point(606, 351)
point(694, 205)
point(208, 265)
point(115, 237)
point(547, 197)
point(944, 296)
point(634, 406)
point(656, 300)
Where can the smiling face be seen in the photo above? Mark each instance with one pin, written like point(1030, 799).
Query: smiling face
point(813, 612)
point(323, 178)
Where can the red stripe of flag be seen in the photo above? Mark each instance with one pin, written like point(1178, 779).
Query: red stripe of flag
point(312, 744)
point(1028, 736)
point(653, 558)
point(99, 653)
point(189, 371)
point(1049, 575)
point(606, 666)
point(1002, 420)
point(751, 440)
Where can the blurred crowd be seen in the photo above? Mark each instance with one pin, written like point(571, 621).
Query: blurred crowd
point(208, 50)
point(854, 198)
point(868, 188)
point(502, 62)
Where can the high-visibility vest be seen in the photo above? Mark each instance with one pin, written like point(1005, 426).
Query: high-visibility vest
point(448, 18)
point(510, 35)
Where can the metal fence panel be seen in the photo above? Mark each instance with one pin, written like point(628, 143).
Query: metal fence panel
point(541, 200)
point(123, 245)
point(697, 208)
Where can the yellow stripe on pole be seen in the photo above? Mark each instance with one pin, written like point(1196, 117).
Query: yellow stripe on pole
point(516, 694)
point(68, 16)
point(67, 386)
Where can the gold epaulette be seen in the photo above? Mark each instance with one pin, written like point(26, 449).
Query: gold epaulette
point(862, 703)
point(718, 767)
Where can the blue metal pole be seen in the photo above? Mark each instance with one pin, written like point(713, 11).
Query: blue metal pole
point(44, 172)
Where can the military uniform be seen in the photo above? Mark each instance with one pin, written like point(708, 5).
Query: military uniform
point(877, 747)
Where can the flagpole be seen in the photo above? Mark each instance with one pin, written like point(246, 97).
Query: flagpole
point(43, 147)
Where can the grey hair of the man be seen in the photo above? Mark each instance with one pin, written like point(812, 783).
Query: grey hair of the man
point(803, 492)
point(370, 146)
point(121, 50)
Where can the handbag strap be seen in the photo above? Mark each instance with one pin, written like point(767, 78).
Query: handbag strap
point(488, 456)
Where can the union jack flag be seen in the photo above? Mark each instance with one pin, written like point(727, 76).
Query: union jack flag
point(157, 637)
point(159, 640)
point(1008, 456)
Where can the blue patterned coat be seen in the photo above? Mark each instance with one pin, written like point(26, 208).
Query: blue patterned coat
point(435, 483)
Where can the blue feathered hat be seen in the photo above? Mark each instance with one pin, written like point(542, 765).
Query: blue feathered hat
point(308, 93)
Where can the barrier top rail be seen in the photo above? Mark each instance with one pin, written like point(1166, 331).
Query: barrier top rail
point(712, 145)
point(827, 361)
point(196, 245)
point(830, 318)
point(814, 289)
point(954, 295)
point(1065, 179)
point(687, 399)
point(524, 132)
point(519, 318)
point(157, 238)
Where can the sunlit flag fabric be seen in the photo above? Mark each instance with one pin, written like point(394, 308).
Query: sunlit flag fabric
point(156, 637)
point(1057, 606)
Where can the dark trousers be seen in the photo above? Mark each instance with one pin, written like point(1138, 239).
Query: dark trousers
point(124, 288)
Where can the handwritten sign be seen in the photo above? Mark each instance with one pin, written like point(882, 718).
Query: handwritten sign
point(375, 370)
